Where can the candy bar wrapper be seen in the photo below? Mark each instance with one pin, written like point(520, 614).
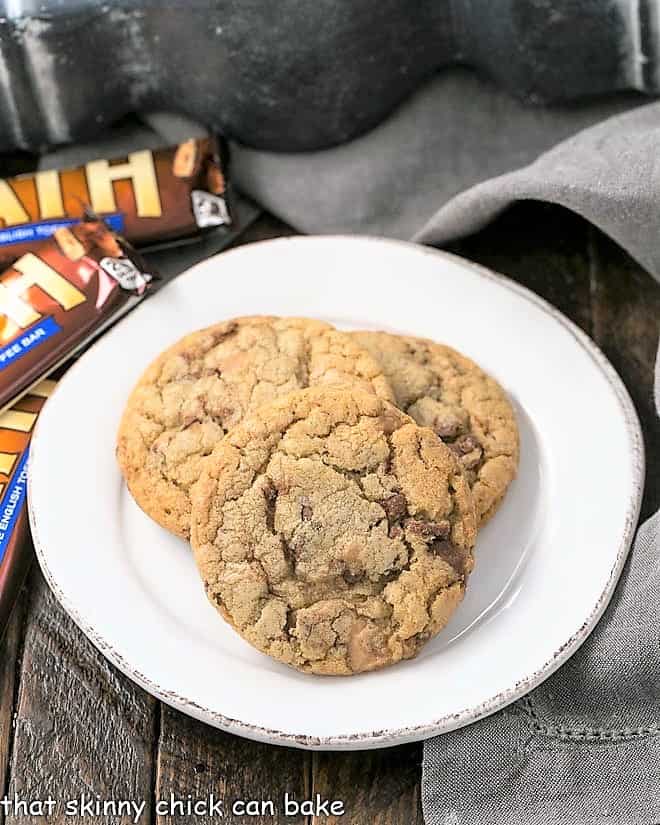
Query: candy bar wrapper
point(147, 196)
point(16, 426)
point(55, 299)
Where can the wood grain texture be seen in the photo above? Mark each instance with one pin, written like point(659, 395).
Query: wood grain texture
point(81, 727)
point(265, 228)
point(625, 310)
point(542, 247)
point(379, 787)
point(198, 760)
point(9, 662)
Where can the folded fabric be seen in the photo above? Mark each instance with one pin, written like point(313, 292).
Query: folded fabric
point(584, 747)
point(453, 133)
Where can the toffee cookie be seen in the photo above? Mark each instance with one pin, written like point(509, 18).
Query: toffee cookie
point(207, 382)
point(444, 390)
point(332, 532)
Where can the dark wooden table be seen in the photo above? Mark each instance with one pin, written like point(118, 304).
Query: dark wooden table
point(70, 723)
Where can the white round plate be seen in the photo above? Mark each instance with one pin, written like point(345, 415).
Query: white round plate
point(546, 566)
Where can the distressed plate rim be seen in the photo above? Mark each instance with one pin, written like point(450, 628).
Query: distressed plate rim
point(395, 735)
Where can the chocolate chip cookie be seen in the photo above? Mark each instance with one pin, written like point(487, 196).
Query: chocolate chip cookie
point(207, 382)
point(444, 390)
point(332, 532)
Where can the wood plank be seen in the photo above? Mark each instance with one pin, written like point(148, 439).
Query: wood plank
point(9, 662)
point(81, 727)
point(626, 324)
point(542, 247)
point(196, 760)
point(379, 787)
point(265, 228)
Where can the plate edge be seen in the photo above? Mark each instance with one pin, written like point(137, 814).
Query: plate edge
point(391, 737)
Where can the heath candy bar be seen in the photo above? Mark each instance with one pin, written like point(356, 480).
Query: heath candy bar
point(55, 299)
point(149, 196)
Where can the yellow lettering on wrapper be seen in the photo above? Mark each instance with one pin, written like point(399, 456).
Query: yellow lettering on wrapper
point(34, 272)
point(44, 388)
point(11, 211)
point(7, 461)
point(16, 309)
point(49, 194)
point(140, 169)
point(17, 420)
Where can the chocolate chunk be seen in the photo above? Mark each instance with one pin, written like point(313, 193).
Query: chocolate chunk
point(270, 495)
point(395, 507)
point(468, 450)
point(449, 553)
point(290, 625)
point(270, 492)
point(471, 460)
point(466, 444)
point(305, 509)
point(389, 423)
point(428, 530)
point(350, 577)
point(448, 427)
point(390, 575)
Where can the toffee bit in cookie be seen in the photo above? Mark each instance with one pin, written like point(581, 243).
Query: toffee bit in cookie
point(350, 577)
point(395, 507)
point(389, 423)
point(390, 575)
point(450, 553)
point(448, 427)
point(468, 450)
point(290, 623)
point(429, 530)
point(465, 444)
point(305, 509)
point(270, 495)
point(395, 531)
point(471, 460)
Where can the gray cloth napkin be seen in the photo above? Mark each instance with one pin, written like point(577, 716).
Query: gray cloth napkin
point(584, 747)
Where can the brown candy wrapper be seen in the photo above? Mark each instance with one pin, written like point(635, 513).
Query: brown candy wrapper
point(16, 426)
point(148, 196)
point(55, 299)
point(71, 277)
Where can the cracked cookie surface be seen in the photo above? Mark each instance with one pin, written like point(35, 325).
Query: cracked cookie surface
point(332, 532)
point(195, 391)
point(465, 407)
